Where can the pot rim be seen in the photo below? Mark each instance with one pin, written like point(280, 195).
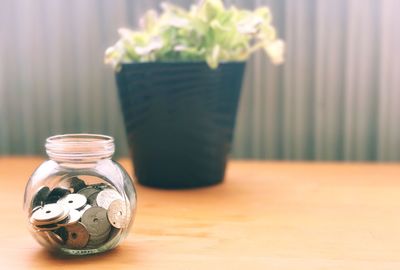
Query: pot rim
point(180, 63)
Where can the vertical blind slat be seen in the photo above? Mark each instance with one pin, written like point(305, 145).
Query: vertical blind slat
point(337, 97)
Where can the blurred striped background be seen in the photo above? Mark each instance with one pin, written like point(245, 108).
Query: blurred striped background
point(337, 97)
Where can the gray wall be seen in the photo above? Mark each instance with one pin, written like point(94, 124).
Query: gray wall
point(336, 98)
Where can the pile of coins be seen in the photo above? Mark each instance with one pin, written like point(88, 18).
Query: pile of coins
point(78, 217)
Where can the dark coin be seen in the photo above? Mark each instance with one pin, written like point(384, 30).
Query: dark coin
point(44, 228)
point(115, 233)
point(100, 186)
point(62, 232)
point(88, 191)
point(92, 199)
point(56, 194)
point(54, 239)
point(77, 184)
point(40, 197)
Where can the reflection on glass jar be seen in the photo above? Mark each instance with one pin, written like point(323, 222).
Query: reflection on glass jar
point(80, 201)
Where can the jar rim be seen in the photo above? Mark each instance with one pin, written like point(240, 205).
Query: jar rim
point(79, 147)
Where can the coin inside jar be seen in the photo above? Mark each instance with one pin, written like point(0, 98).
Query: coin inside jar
point(56, 194)
point(44, 228)
point(96, 240)
point(92, 198)
point(76, 184)
point(75, 221)
point(74, 217)
point(117, 214)
point(88, 191)
point(106, 197)
point(53, 225)
point(40, 197)
point(62, 232)
point(47, 213)
point(77, 235)
point(55, 239)
point(96, 221)
point(73, 201)
point(84, 209)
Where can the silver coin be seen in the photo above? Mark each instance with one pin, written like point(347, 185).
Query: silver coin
point(51, 226)
point(73, 201)
point(36, 208)
point(117, 214)
point(77, 235)
point(48, 223)
point(88, 191)
point(48, 213)
point(74, 217)
point(106, 197)
point(84, 209)
point(95, 220)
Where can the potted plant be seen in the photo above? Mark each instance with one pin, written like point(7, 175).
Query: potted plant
point(179, 79)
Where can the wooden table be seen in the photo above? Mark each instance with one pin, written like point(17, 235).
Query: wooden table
point(267, 215)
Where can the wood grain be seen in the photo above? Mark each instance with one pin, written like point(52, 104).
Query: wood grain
point(266, 215)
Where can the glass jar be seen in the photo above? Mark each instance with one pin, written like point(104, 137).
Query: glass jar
point(80, 201)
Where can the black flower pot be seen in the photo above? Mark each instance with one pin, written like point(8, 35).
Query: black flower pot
point(179, 119)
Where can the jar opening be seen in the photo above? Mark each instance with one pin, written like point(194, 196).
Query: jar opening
point(79, 147)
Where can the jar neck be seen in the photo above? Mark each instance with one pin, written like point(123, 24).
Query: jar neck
point(79, 148)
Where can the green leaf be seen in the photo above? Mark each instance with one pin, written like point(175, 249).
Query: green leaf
point(206, 32)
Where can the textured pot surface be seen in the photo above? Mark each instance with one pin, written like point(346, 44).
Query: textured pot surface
point(179, 119)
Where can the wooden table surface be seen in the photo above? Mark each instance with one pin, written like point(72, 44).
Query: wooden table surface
point(266, 215)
